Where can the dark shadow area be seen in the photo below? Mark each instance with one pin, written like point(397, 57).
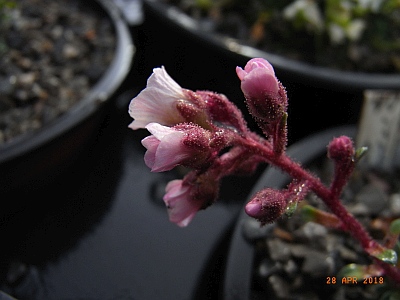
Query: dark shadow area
point(212, 277)
point(49, 221)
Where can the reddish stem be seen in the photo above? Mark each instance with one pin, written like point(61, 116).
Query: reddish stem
point(352, 225)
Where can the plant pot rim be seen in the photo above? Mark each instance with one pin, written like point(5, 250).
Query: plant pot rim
point(312, 74)
point(96, 97)
point(237, 279)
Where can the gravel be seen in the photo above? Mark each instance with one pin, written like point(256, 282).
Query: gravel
point(52, 53)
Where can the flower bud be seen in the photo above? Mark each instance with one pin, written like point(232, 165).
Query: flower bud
point(193, 109)
point(223, 112)
point(341, 149)
point(265, 96)
point(267, 205)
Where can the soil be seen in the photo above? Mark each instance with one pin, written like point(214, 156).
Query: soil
point(302, 260)
point(52, 53)
point(376, 52)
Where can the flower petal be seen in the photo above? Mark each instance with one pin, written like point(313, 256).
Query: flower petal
point(170, 153)
point(181, 209)
point(154, 105)
point(161, 79)
point(258, 82)
point(151, 143)
point(240, 73)
point(159, 131)
point(157, 102)
point(259, 63)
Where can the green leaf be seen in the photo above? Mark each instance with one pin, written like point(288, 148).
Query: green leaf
point(360, 152)
point(388, 256)
point(291, 208)
point(204, 4)
point(353, 271)
point(308, 213)
point(395, 227)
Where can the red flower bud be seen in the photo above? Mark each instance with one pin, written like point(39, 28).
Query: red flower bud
point(341, 149)
point(267, 205)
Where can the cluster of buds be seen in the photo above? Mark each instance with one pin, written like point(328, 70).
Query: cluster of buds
point(206, 133)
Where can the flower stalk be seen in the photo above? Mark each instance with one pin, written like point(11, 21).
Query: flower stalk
point(207, 133)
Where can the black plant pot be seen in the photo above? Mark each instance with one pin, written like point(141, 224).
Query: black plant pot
point(200, 59)
point(237, 283)
point(35, 159)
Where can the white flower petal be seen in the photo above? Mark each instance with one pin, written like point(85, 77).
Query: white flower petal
point(159, 131)
point(157, 102)
point(161, 79)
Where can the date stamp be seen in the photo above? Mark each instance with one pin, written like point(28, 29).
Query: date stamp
point(354, 280)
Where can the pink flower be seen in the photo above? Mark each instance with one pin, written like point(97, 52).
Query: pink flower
point(165, 149)
point(258, 79)
point(157, 102)
point(183, 144)
point(266, 99)
point(181, 207)
point(184, 198)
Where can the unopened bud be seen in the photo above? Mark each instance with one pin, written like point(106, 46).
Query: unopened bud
point(265, 95)
point(341, 149)
point(192, 109)
point(223, 112)
point(267, 205)
point(342, 152)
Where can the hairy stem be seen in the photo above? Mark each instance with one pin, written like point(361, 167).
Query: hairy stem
point(352, 225)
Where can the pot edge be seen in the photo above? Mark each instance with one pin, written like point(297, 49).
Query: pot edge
point(315, 75)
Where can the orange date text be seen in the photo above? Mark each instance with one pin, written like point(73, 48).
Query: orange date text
point(354, 280)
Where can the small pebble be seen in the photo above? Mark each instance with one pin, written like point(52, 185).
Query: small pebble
point(278, 250)
point(373, 198)
point(394, 204)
